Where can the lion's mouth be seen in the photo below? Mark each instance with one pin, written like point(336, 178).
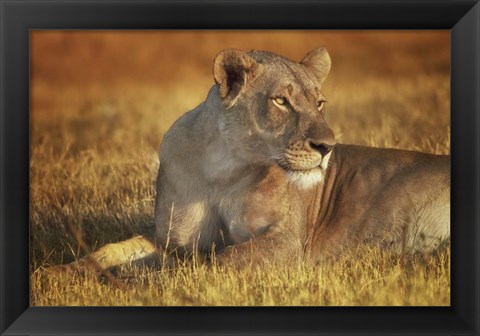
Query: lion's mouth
point(302, 166)
point(304, 176)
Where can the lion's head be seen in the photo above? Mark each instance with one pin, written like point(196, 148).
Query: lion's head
point(274, 110)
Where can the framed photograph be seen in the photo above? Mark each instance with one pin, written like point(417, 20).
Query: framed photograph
point(288, 104)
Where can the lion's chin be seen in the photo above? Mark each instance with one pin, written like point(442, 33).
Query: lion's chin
point(306, 179)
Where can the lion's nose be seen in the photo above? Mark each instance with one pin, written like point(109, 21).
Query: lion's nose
point(322, 148)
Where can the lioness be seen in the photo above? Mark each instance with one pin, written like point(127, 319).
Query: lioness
point(254, 173)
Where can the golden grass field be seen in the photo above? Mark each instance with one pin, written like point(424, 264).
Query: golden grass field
point(101, 102)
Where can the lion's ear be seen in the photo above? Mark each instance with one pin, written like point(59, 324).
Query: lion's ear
point(231, 69)
point(318, 63)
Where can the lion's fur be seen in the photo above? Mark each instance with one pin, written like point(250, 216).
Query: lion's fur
point(250, 177)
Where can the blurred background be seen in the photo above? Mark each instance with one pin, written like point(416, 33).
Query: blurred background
point(89, 83)
point(102, 100)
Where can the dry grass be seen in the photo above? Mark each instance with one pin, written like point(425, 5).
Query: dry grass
point(375, 279)
point(101, 103)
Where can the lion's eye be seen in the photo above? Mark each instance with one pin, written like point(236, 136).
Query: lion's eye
point(282, 101)
point(321, 104)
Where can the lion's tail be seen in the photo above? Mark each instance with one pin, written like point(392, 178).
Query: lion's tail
point(136, 249)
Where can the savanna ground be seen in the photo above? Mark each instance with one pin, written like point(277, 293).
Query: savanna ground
point(100, 104)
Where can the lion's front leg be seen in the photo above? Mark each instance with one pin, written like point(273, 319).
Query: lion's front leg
point(265, 232)
point(267, 225)
point(269, 249)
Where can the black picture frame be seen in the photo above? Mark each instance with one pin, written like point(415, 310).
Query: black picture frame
point(18, 17)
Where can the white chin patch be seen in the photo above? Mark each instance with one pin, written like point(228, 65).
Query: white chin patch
point(306, 179)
